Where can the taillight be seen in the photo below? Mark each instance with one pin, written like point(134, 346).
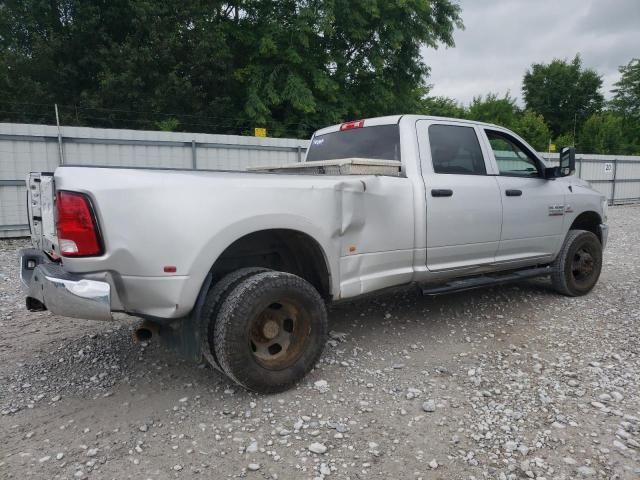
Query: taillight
point(352, 125)
point(77, 228)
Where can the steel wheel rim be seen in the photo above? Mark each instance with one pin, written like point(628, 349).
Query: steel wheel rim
point(583, 265)
point(278, 334)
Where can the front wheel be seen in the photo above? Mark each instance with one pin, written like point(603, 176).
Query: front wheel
point(578, 266)
point(270, 331)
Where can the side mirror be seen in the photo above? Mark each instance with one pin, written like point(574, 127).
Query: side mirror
point(567, 164)
point(567, 161)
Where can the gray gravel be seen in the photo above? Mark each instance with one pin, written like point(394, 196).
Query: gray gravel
point(506, 383)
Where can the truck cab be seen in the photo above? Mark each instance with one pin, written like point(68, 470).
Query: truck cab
point(489, 201)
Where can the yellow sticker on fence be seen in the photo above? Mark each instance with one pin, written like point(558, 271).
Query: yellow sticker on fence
point(260, 132)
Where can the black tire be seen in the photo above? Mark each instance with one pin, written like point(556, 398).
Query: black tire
point(578, 265)
point(216, 295)
point(270, 331)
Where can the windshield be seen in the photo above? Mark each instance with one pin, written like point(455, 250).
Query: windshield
point(381, 142)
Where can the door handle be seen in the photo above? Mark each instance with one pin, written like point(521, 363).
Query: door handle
point(441, 192)
point(513, 193)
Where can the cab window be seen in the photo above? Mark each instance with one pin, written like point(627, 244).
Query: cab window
point(380, 142)
point(456, 150)
point(512, 158)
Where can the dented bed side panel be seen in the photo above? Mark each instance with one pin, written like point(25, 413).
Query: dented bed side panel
point(187, 219)
point(376, 234)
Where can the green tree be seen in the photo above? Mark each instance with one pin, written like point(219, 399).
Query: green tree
point(532, 127)
point(289, 65)
point(626, 94)
point(117, 63)
point(168, 125)
point(442, 107)
point(562, 92)
point(564, 140)
point(602, 133)
point(492, 109)
point(626, 103)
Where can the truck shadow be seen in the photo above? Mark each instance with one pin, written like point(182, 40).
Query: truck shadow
point(97, 364)
point(394, 320)
point(410, 306)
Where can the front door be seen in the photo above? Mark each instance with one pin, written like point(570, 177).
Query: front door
point(532, 206)
point(464, 210)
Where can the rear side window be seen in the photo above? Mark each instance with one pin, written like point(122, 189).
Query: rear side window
point(456, 150)
point(381, 142)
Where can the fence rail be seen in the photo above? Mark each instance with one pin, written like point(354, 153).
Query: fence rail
point(25, 148)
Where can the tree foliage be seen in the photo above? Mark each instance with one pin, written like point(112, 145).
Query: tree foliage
point(442, 107)
point(612, 128)
point(532, 127)
point(626, 104)
point(602, 133)
point(287, 65)
point(493, 109)
point(563, 92)
point(626, 99)
point(566, 140)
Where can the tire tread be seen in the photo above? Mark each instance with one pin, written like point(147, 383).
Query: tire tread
point(236, 306)
point(558, 276)
point(215, 297)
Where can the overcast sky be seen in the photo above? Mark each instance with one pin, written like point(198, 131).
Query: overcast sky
point(502, 38)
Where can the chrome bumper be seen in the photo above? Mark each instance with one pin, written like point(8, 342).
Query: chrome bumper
point(49, 287)
point(604, 234)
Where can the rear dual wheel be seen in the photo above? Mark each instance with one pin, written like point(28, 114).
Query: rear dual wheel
point(268, 330)
point(213, 302)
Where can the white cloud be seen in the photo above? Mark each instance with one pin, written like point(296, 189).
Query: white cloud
point(504, 37)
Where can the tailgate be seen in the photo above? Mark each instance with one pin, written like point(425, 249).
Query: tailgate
point(41, 211)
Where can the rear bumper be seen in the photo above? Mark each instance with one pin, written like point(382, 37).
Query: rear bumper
point(604, 234)
point(49, 287)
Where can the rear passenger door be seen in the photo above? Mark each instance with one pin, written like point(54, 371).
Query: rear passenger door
point(463, 206)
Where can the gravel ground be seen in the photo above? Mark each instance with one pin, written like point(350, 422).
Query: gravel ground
point(504, 383)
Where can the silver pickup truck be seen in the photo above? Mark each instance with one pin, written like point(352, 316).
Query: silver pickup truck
point(238, 267)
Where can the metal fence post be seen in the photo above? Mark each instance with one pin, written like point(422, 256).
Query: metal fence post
point(194, 155)
point(60, 152)
point(615, 175)
point(299, 154)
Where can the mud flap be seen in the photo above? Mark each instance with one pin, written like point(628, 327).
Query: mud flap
point(187, 336)
point(182, 336)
